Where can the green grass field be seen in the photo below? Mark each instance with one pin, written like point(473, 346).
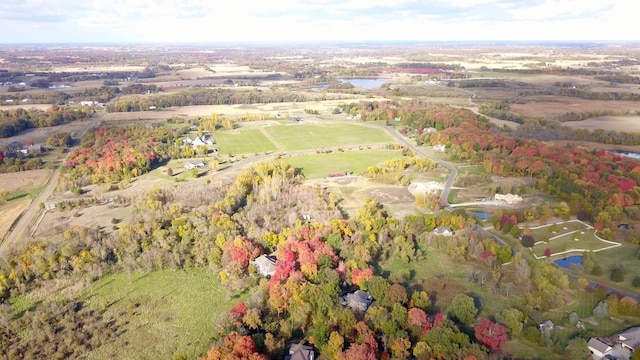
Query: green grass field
point(242, 141)
point(172, 312)
point(320, 165)
point(623, 255)
point(563, 238)
point(316, 136)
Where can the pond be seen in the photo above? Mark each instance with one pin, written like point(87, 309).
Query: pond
point(365, 83)
point(482, 215)
point(566, 262)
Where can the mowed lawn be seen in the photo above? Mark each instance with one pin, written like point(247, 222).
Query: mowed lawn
point(242, 141)
point(624, 255)
point(172, 312)
point(564, 238)
point(316, 136)
point(357, 161)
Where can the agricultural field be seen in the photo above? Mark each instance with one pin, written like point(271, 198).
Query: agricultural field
point(10, 212)
point(318, 136)
point(243, 141)
point(352, 161)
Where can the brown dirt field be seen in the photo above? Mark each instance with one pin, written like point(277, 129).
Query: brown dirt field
point(616, 123)
point(207, 110)
point(592, 145)
point(55, 222)
point(24, 180)
point(9, 213)
point(562, 105)
point(354, 190)
point(25, 106)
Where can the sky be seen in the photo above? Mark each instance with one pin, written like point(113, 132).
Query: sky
point(211, 21)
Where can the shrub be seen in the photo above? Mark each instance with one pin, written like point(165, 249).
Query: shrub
point(528, 241)
point(617, 274)
point(636, 282)
point(170, 171)
point(597, 270)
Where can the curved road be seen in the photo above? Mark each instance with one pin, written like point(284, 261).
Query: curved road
point(453, 172)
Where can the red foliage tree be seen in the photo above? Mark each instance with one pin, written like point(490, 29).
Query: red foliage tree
point(417, 317)
point(235, 347)
point(491, 334)
point(359, 352)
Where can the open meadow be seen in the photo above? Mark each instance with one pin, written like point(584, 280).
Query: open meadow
point(168, 312)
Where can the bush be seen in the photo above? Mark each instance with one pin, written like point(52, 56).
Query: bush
point(528, 241)
point(636, 282)
point(617, 274)
point(597, 270)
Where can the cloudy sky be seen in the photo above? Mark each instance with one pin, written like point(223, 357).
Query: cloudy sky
point(117, 21)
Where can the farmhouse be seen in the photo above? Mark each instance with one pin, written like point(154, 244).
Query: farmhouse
point(265, 265)
point(300, 352)
point(358, 300)
point(193, 164)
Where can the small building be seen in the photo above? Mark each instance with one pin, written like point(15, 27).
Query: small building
point(443, 231)
point(630, 338)
point(439, 147)
point(35, 149)
point(300, 352)
point(358, 300)
point(547, 324)
point(193, 164)
point(265, 265)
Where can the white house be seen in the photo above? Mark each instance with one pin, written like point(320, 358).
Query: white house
point(193, 164)
point(439, 147)
point(265, 265)
point(443, 230)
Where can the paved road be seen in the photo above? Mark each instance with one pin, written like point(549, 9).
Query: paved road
point(27, 217)
point(453, 172)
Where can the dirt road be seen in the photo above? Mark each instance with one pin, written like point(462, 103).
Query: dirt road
point(19, 230)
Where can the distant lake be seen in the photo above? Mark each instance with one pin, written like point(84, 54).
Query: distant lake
point(566, 262)
point(365, 83)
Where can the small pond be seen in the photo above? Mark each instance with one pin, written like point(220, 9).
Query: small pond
point(566, 262)
point(482, 215)
point(365, 83)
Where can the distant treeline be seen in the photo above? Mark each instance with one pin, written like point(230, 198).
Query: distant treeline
point(481, 83)
point(102, 95)
point(206, 97)
point(585, 94)
point(620, 78)
point(499, 110)
point(14, 121)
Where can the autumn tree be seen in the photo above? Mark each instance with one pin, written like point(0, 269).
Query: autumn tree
point(491, 334)
point(235, 347)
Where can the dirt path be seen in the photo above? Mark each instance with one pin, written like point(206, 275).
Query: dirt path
point(272, 139)
point(29, 215)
